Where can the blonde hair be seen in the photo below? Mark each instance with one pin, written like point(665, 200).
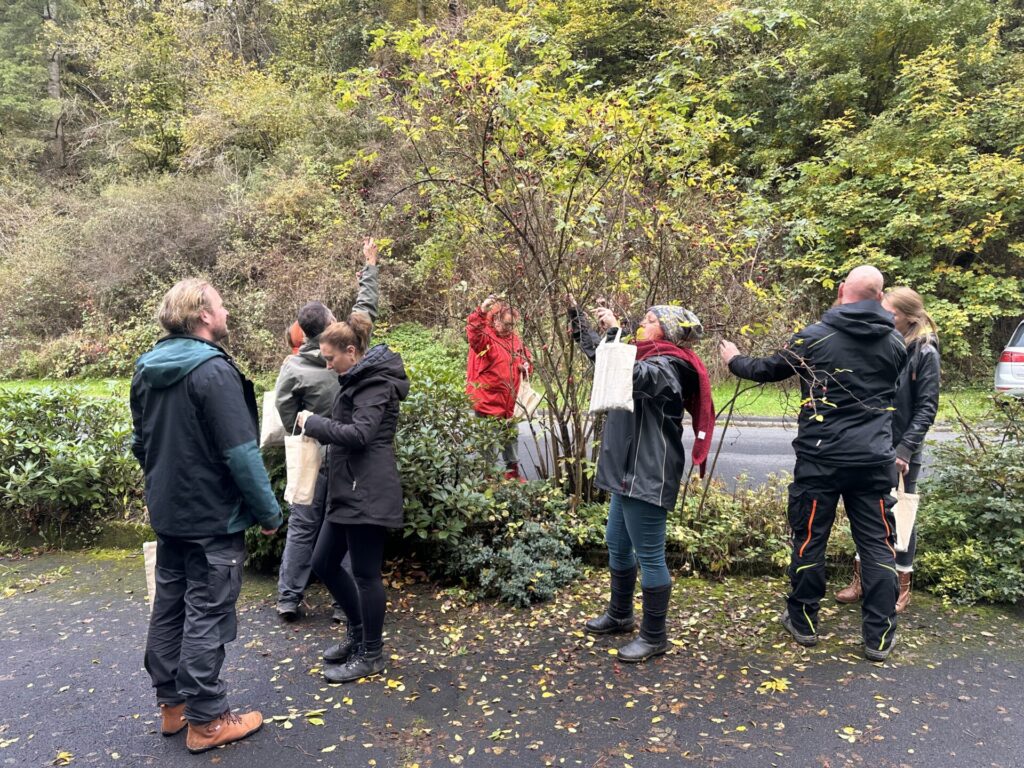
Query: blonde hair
point(911, 305)
point(355, 331)
point(181, 306)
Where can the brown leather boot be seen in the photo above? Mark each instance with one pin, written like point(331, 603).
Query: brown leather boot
point(225, 729)
point(853, 591)
point(904, 599)
point(173, 718)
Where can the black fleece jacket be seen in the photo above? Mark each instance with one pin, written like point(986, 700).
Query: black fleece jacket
point(849, 364)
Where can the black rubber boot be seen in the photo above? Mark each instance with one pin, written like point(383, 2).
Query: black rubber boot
point(619, 616)
point(347, 648)
point(653, 638)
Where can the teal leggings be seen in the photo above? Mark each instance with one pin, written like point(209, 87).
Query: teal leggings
point(636, 533)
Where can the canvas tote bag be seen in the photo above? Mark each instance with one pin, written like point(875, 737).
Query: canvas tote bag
point(302, 457)
point(528, 400)
point(613, 376)
point(149, 561)
point(905, 511)
point(271, 430)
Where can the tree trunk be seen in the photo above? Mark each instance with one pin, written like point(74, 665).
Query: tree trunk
point(421, 11)
point(53, 88)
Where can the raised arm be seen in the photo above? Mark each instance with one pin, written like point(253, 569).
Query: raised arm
point(368, 298)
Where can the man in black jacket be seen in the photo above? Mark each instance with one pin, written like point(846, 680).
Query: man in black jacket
point(848, 364)
point(195, 435)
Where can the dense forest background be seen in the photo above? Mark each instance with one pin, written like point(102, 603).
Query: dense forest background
point(738, 158)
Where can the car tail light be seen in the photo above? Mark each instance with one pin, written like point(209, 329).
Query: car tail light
point(1011, 357)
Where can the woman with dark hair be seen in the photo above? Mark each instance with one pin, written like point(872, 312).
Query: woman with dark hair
point(917, 402)
point(364, 493)
point(641, 464)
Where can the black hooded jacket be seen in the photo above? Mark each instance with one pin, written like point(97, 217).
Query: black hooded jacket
point(849, 364)
point(363, 486)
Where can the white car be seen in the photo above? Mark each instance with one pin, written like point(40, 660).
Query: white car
point(1010, 368)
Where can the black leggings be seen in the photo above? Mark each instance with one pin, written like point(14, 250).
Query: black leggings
point(362, 597)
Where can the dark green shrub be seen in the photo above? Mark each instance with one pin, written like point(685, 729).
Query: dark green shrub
point(971, 520)
point(519, 552)
point(264, 552)
point(65, 464)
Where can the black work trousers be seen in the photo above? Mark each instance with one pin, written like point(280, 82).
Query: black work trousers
point(197, 586)
point(813, 498)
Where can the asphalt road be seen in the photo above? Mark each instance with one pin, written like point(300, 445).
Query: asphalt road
point(748, 451)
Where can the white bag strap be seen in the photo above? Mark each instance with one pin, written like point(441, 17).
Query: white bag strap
point(900, 487)
point(618, 336)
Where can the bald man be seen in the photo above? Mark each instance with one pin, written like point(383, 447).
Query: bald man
point(848, 364)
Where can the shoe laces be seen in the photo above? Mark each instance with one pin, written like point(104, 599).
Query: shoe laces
point(230, 717)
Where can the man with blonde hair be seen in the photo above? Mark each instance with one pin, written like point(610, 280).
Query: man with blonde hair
point(195, 435)
point(848, 364)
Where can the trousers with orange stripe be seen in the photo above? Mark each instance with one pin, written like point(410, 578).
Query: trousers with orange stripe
point(813, 497)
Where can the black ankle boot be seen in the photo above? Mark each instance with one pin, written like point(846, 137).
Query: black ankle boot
point(653, 638)
point(362, 664)
point(341, 652)
point(619, 616)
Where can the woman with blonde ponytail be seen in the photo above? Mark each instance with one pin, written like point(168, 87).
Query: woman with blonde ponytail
point(917, 402)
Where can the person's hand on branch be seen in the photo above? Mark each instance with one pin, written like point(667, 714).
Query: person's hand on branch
point(486, 304)
point(605, 319)
point(370, 249)
point(727, 350)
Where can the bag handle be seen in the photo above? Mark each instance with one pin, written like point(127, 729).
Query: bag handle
point(618, 336)
point(900, 487)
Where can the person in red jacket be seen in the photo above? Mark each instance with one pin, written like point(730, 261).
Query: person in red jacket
point(497, 361)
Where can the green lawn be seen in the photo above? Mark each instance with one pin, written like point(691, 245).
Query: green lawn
point(91, 387)
point(767, 400)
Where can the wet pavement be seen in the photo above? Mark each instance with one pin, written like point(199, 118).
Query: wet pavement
point(480, 684)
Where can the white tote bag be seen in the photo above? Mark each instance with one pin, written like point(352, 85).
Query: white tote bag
point(302, 458)
point(272, 430)
point(149, 561)
point(528, 400)
point(613, 376)
point(905, 511)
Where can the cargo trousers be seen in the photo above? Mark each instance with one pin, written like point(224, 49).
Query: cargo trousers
point(866, 493)
point(193, 618)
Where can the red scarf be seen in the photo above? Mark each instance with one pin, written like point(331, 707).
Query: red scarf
point(698, 404)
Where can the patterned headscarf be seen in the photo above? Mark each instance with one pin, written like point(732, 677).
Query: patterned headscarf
point(678, 323)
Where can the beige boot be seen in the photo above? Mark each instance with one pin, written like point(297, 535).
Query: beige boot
point(173, 718)
point(225, 729)
point(853, 591)
point(904, 599)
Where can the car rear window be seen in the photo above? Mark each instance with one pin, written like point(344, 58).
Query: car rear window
point(1017, 340)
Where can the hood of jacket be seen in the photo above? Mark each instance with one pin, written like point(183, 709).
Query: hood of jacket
point(379, 362)
point(864, 319)
point(310, 352)
point(173, 358)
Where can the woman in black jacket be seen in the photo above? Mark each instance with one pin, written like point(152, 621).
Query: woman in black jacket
point(364, 493)
point(641, 463)
point(916, 403)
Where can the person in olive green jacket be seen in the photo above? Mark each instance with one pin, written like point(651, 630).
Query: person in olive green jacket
point(305, 383)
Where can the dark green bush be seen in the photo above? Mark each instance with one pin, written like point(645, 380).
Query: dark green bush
point(65, 465)
point(519, 552)
point(971, 520)
point(741, 530)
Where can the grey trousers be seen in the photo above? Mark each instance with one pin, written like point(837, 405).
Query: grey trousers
point(197, 586)
point(304, 525)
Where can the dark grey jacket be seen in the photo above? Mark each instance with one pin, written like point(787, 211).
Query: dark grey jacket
point(305, 383)
point(917, 398)
point(848, 364)
point(363, 486)
point(641, 454)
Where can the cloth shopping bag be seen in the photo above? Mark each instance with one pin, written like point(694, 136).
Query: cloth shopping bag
point(528, 400)
point(302, 456)
point(149, 560)
point(905, 511)
point(271, 430)
point(613, 376)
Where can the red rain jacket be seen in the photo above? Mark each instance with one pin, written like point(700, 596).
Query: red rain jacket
point(492, 370)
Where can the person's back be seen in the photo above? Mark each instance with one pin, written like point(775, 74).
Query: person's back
point(849, 364)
